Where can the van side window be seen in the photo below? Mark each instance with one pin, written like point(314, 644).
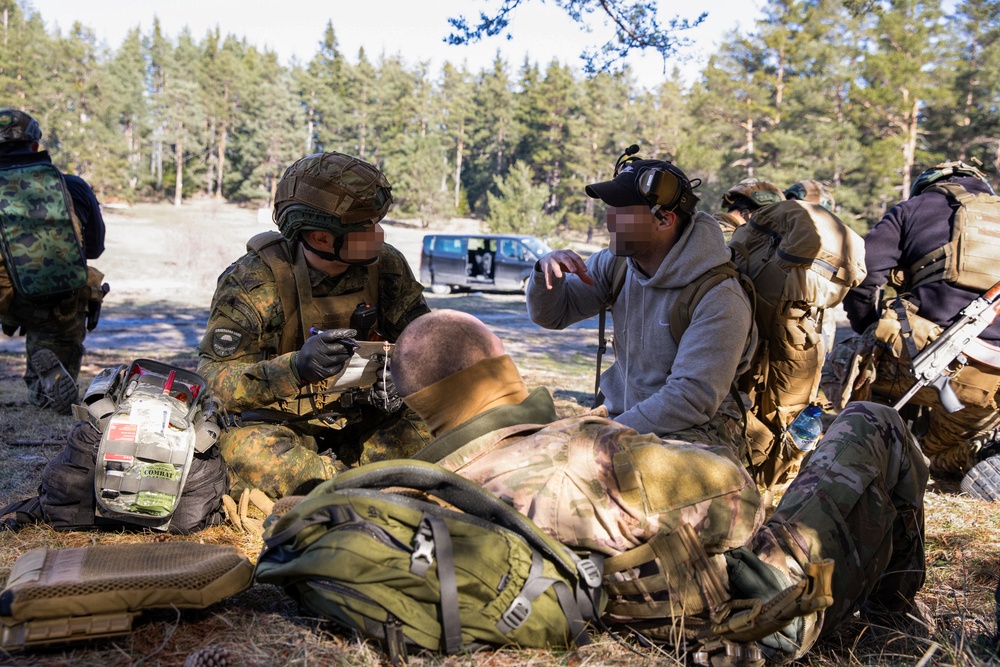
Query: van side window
point(512, 249)
point(450, 245)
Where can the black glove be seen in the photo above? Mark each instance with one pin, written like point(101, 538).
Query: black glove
point(94, 308)
point(325, 354)
point(383, 393)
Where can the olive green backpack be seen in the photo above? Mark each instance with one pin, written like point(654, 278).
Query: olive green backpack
point(410, 573)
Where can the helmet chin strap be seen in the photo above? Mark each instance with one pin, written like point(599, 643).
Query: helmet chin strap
point(334, 256)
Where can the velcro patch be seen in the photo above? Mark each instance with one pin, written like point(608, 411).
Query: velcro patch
point(225, 341)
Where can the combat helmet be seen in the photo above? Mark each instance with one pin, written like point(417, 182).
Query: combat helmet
point(18, 126)
point(755, 191)
point(811, 191)
point(330, 192)
point(945, 170)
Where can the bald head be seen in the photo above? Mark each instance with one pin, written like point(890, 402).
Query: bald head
point(439, 344)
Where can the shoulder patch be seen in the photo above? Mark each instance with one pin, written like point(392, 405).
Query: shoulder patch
point(225, 341)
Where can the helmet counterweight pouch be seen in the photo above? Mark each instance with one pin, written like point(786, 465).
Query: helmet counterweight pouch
point(58, 595)
point(148, 444)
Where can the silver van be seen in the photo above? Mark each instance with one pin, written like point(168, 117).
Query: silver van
point(499, 262)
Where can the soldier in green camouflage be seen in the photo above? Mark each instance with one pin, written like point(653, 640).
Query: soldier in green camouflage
point(327, 273)
point(52, 225)
point(690, 509)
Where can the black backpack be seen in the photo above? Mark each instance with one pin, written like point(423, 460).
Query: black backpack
point(66, 497)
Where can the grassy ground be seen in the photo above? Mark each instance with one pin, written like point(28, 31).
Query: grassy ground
point(262, 627)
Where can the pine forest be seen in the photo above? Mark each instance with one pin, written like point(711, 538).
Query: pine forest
point(861, 96)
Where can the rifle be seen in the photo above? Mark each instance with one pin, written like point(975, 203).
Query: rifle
point(931, 365)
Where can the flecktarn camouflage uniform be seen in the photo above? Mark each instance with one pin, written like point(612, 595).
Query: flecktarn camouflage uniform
point(240, 361)
point(595, 484)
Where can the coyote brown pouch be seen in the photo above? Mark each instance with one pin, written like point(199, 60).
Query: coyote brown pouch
point(56, 595)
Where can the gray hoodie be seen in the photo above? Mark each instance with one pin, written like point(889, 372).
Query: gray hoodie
point(655, 385)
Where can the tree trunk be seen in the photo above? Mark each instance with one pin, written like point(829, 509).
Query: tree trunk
point(910, 147)
point(179, 161)
point(458, 168)
point(223, 134)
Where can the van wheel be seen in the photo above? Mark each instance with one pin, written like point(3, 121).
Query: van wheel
point(441, 289)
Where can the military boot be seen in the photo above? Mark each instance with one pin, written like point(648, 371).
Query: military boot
point(55, 388)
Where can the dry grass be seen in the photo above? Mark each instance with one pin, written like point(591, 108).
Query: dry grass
point(263, 627)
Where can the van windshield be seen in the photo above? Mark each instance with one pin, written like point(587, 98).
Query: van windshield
point(535, 245)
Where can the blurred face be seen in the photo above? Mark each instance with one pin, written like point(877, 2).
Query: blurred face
point(631, 229)
point(363, 244)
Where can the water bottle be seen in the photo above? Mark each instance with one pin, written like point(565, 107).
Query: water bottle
point(807, 427)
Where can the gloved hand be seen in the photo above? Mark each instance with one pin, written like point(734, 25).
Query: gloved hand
point(94, 308)
point(383, 393)
point(324, 355)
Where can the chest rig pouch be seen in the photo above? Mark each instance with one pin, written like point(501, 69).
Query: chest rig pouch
point(148, 444)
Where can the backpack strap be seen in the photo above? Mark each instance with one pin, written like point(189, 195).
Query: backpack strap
point(274, 250)
point(692, 294)
point(619, 271)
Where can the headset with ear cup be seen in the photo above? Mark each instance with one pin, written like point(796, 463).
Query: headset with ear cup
point(661, 186)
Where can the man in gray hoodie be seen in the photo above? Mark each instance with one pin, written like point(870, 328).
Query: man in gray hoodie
point(656, 385)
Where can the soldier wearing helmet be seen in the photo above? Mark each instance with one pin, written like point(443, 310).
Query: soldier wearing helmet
point(663, 380)
point(55, 320)
point(915, 247)
point(285, 320)
point(811, 191)
point(743, 199)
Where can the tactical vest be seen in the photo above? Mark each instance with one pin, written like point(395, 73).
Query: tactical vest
point(302, 310)
point(41, 239)
point(969, 259)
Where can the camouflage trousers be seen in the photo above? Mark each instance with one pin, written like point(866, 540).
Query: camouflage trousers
point(284, 460)
point(59, 325)
point(721, 431)
point(858, 500)
point(951, 440)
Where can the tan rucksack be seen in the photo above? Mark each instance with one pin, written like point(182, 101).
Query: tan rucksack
point(802, 260)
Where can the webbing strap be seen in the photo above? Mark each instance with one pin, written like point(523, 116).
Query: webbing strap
point(451, 622)
point(905, 331)
point(619, 273)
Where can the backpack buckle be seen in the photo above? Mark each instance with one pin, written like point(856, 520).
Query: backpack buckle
point(589, 573)
point(517, 613)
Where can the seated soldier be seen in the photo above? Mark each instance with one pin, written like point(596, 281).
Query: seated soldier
point(596, 484)
point(668, 380)
point(282, 327)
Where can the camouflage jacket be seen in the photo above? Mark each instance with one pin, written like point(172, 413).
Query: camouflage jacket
point(593, 483)
point(239, 351)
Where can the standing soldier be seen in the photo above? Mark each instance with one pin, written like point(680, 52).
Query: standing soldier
point(52, 225)
point(939, 250)
point(328, 273)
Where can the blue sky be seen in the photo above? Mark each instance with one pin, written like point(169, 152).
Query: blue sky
point(415, 29)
